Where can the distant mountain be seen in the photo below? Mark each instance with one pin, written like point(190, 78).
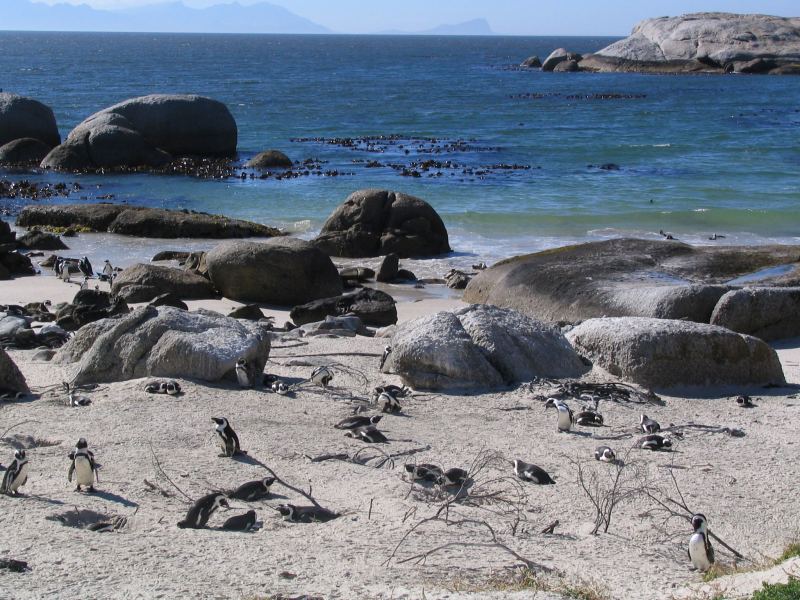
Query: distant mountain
point(473, 27)
point(170, 17)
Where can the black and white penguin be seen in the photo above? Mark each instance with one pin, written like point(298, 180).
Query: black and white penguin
point(368, 434)
point(701, 552)
point(245, 522)
point(201, 511)
point(565, 416)
point(533, 473)
point(83, 466)
point(74, 398)
point(321, 376)
point(107, 274)
point(386, 352)
point(253, 491)
point(649, 425)
point(389, 403)
point(243, 373)
point(454, 477)
point(744, 401)
point(280, 388)
point(589, 418)
point(306, 514)
point(228, 440)
point(654, 442)
point(604, 454)
point(424, 472)
point(153, 387)
point(358, 421)
point(16, 474)
point(172, 388)
point(85, 267)
point(395, 390)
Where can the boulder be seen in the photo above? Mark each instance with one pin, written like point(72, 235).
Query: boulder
point(143, 282)
point(11, 378)
point(356, 274)
point(766, 313)
point(196, 262)
point(164, 342)
point(456, 280)
point(283, 271)
point(22, 117)
point(177, 255)
point(147, 131)
point(666, 353)
point(567, 66)
point(373, 307)
point(377, 222)
point(24, 151)
point(250, 312)
point(11, 324)
point(269, 159)
point(532, 62)
point(711, 39)
point(141, 221)
point(621, 277)
point(14, 263)
point(479, 347)
point(89, 306)
point(169, 299)
point(6, 235)
point(389, 268)
point(41, 240)
point(348, 326)
point(558, 56)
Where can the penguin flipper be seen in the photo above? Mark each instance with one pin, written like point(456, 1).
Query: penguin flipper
point(71, 471)
point(709, 550)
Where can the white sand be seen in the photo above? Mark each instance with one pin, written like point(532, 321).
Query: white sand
point(747, 487)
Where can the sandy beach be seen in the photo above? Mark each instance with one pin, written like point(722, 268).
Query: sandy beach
point(744, 485)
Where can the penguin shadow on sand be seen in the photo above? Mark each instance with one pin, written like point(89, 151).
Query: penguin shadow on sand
point(112, 497)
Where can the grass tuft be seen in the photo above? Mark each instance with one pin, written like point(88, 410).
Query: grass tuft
point(779, 591)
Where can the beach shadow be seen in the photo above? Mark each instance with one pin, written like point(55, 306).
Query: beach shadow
point(246, 459)
point(38, 498)
point(112, 497)
point(581, 433)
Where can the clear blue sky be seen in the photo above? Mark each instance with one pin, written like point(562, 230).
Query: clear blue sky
point(514, 17)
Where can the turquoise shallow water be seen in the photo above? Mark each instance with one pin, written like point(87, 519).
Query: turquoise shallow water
point(693, 155)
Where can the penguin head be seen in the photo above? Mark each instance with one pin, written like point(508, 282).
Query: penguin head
point(643, 419)
point(221, 500)
point(287, 510)
point(551, 402)
point(19, 454)
point(267, 482)
point(666, 442)
point(375, 418)
point(699, 522)
point(242, 362)
point(82, 443)
point(221, 422)
point(410, 468)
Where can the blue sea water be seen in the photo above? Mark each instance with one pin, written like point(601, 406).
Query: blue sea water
point(696, 155)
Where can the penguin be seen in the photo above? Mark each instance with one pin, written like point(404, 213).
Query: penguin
point(654, 442)
point(390, 403)
point(358, 421)
point(321, 376)
point(172, 388)
point(395, 390)
point(153, 387)
point(65, 276)
point(565, 416)
point(744, 401)
point(16, 474)
point(649, 425)
point(269, 379)
point(245, 522)
point(306, 514)
point(280, 388)
point(424, 472)
point(85, 284)
point(604, 454)
point(201, 511)
point(243, 373)
point(85, 267)
point(589, 418)
point(701, 552)
point(454, 477)
point(83, 466)
point(58, 264)
point(228, 440)
point(533, 473)
point(107, 274)
point(386, 352)
point(252, 491)
point(368, 434)
point(74, 399)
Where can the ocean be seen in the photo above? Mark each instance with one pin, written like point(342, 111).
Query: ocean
point(514, 160)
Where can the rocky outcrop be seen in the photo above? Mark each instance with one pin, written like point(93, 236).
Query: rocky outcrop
point(478, 347)
point(269, 159)
point(142, 221)
point(664, 353)
point(22, 117)
point(373, 307)
point(89, 306)
point(720, 42)
point(13, 263)
point(11, 378)
point(147, 131)
point(164, 342)
point(532, 62)
point(766, 313)
point(284, 271)
point(621, 277)
point(23, 151)
point(41, 240)
point(558, 56)
point(144, 282)
point(377, 222)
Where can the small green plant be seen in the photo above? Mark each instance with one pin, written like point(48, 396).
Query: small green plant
point(779, 591)
point(791, 551)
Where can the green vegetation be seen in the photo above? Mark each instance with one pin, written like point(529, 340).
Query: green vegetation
point(779, 591)
point(791, 551)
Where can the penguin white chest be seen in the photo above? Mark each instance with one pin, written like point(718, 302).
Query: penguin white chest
point(697, 552)
point(83, 471)
point(564, 419)
point(20, 479)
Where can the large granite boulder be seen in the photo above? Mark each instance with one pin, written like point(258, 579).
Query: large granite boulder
point(621, 277)
point(283, 271)
point(766, 313)
point(89, 306)
point(23, 151)
point(11, 378)
point(373, 307)
point(666, 353)
point(41, 240)
point(143, 282)
point(142, 221)
point(22, 117)
point(14, 263)
point(164, 342)
point(717, 40)
point(377, 222)
point(478, 347)
point(147, 131)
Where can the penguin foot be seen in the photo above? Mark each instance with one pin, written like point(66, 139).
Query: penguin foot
point(78, 489)
point(91, 489)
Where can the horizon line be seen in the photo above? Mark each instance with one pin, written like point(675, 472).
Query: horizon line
point(323, 33)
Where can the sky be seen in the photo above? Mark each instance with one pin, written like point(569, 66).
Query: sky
point(510, 17)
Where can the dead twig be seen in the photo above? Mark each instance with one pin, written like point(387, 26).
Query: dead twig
point(160, 470)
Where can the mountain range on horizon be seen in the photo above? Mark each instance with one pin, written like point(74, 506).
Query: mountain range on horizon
point(176, 17)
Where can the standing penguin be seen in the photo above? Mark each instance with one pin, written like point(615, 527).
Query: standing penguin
point(649, 425)
point(16, 474)
point(83, 466)
point(243, 373)
point(85, 267)
point(565, 417)
point(228, 440)
point(389, 402)
point(201, 511)
point(386, 352)
point(321, 376)
point(701, 552)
